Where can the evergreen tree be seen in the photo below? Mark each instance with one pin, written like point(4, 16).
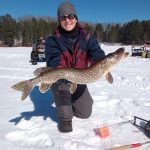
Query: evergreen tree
point(99, 32)
point(134, 32)
point(89, 28)
point(29, 29)
point(121, 36)
point(8, 29)
point(106, 33)
point(146, 28)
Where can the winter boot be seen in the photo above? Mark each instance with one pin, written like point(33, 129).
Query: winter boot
point(65, 126)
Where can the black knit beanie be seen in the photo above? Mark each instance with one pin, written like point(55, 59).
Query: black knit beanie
point(65, 9)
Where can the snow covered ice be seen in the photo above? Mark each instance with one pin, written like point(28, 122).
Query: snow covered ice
point(32, 124)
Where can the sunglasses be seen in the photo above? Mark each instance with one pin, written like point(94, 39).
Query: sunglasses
point(70, 17)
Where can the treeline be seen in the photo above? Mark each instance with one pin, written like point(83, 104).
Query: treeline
point(26, 30)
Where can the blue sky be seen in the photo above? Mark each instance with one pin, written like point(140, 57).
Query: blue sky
point(104, 11)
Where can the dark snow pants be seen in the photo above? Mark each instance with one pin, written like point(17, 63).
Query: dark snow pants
point(78, 104)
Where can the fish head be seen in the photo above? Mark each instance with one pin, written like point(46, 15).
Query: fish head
point(114, 57)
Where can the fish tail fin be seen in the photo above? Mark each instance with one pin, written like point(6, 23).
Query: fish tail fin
point(20, 85)
point(25, 87)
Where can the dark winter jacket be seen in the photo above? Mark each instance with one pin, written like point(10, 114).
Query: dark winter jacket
point(80, 52)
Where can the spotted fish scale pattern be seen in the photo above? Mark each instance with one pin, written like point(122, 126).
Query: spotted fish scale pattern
point(47, 76)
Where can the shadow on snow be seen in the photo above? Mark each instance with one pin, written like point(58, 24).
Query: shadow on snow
point(42, 107)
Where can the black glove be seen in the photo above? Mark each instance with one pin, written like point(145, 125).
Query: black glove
point(63, 81)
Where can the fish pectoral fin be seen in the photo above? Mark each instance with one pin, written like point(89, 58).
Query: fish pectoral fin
point(126, 54)
point(44, 87)
point(73, 87)
point(109, 78)
point(41, 70)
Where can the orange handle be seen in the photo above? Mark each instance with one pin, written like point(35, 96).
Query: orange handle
point(126, 147)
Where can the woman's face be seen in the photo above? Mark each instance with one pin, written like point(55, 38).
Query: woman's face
point(68, 22)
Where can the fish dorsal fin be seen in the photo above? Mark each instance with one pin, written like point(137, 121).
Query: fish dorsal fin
point(41, 70)
point(109, 78)
point(44, 87)
point(73, 87)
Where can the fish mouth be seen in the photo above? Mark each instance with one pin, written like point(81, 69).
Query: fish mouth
point(120, 53)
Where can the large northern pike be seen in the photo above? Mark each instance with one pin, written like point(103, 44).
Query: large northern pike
point(47, 76)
